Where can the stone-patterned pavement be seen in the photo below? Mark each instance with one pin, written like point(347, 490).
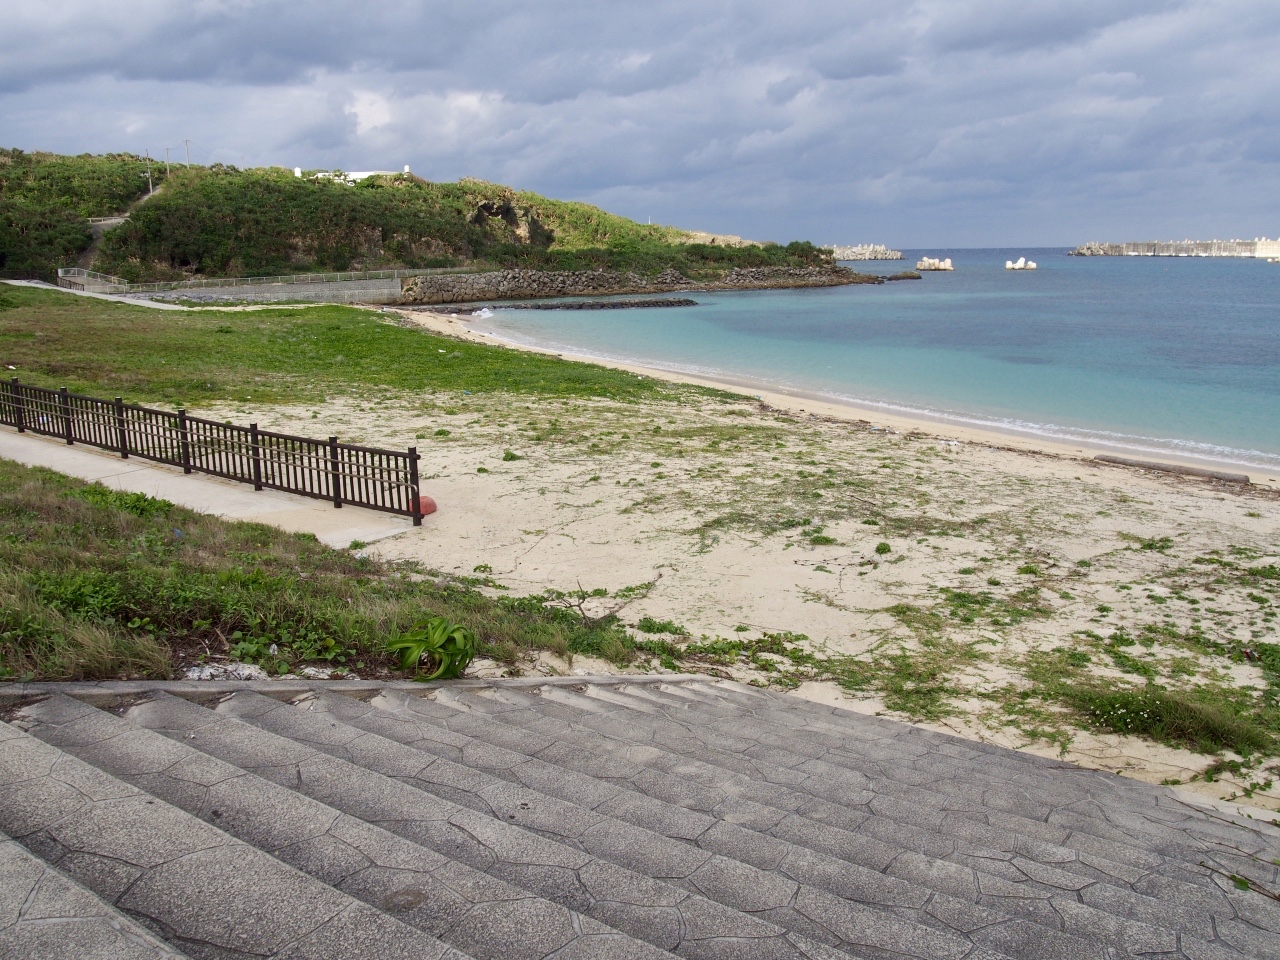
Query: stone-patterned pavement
point(592, 817)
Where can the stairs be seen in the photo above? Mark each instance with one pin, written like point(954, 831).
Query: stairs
point(606, 817)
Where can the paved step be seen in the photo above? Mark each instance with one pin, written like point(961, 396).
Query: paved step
point(506, 842)
point(46, 915)
point(1162, 900)
point(844, 863)
point(924, 791)
point(1139, 807)
point(798, 907)
point(1103, 819)
point(1095, 821)
point(1122, 813)
point(586, 818)
point(211, 896)
point(485, 918)
point(927, 779)
point(854, 805)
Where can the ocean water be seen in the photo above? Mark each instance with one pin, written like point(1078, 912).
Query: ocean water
point(1162, 355)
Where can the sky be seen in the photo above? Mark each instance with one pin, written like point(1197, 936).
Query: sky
point(937, 123)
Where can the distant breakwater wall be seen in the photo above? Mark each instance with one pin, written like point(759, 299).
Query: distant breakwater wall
point(439, 288)
point(866, 251)
point(533, 284)
point(1181, 248)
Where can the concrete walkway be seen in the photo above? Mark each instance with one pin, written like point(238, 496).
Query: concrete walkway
point(223, 498)
point(135, 301)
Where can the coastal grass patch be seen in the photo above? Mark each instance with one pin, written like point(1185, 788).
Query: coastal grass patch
point(1176, 718)
point(291, 356)
point(1204, 717)
point(99, 584)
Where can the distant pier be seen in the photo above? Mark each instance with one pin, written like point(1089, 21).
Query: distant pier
point(1260, 247)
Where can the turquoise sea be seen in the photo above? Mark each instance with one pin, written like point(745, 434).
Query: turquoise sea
point(1177, 356)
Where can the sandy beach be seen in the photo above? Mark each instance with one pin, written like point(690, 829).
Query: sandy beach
point(798, 401)
point(948, 576)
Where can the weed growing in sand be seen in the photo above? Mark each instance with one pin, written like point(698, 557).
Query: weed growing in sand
point(650, 625)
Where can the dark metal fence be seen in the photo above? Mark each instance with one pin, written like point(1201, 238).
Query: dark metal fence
point(325, 469)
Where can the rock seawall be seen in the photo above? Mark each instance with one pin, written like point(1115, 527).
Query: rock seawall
point(532, 284)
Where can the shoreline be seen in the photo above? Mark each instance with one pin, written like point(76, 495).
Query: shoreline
point(849, 410)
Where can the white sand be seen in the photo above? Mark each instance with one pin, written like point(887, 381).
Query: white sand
point(684, 501)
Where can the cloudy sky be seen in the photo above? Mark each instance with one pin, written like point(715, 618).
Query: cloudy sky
point(919, 124)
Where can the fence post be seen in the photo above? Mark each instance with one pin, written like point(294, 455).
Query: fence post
point(65, 400)
point(184, 442)
point(122, 434)
point(335, 475)
point(19, 420)
point(257, 456)
point(415, 504)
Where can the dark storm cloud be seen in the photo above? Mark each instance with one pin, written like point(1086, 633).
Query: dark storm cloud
point(977, 122)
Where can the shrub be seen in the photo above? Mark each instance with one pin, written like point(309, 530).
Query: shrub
point(882, 548)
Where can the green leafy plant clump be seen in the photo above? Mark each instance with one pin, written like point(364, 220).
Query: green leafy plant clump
point(436, 649)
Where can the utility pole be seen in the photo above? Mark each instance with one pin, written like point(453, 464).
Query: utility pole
point(150, 186)
point(187, 144)
point(166, 162)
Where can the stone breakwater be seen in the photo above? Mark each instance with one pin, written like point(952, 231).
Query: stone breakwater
point(604, 304)
point(1261, 247)
point(533, 284)
point(866, 251)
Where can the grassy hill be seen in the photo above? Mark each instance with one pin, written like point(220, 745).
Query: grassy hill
point(222, 221)
point(45, 200)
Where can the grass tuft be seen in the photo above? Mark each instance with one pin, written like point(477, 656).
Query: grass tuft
point(1170, 717)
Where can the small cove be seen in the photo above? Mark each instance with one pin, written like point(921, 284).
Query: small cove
point(1177, 356)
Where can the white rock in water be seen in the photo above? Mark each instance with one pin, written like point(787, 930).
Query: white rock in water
point(932, 263)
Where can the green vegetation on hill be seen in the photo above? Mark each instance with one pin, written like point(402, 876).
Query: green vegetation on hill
point(274, 356)
point(45, 199)
point(225, 222)
point(221, 221)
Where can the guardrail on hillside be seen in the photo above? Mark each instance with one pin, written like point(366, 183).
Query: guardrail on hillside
point(384, 480)
point(77, 278)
